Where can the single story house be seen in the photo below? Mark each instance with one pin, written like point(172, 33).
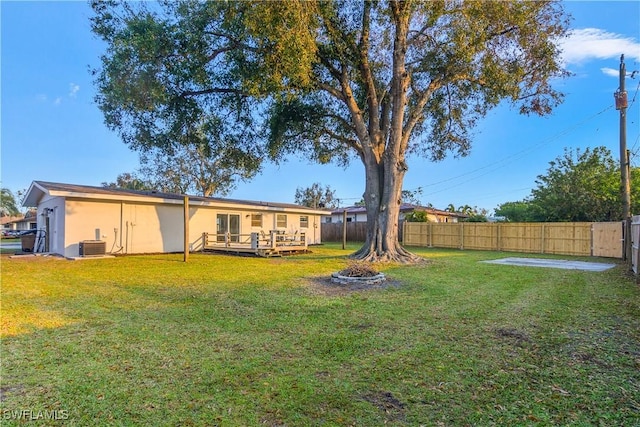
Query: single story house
point(134, 222)
point(10, 222)
point(20, 223)
point(359, 214)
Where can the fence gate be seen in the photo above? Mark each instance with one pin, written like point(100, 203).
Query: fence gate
point(607, 239)
point(635, 244)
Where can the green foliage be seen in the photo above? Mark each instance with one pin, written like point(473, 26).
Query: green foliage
point(190, 170)
point(316, 196)
point(412, 196)
point(521, 211)
point(175, 69)
point(130, 181)
point(416, 216)
point(200, 170)
point(8, 205)
point(578, 186)
point(474, 214)
point(476, 217)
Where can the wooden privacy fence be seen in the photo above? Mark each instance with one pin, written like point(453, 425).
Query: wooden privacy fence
point(332, 232)
point(576, 238)
point(635, 244)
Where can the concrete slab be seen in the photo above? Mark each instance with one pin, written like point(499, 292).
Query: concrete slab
point(553, 263)
point(83, 258)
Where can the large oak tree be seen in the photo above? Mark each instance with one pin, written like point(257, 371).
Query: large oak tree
point(329, 80)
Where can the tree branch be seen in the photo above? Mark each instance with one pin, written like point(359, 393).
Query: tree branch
point(188, 93)
point(416, 114)
point(367, 75)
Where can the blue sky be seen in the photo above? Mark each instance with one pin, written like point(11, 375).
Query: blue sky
point(51, 129)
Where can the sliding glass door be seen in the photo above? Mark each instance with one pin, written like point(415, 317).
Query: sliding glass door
point(228, 223)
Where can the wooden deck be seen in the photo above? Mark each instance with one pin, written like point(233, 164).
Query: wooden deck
point(259, 244)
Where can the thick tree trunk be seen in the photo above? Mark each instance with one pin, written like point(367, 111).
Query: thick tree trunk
point(383, 198)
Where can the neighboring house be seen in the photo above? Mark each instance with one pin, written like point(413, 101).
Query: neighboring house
point(359, 214)
point(9, 222)
point(20, 223)
point(131, 221)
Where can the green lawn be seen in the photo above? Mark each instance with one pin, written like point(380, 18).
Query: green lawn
point(232, 341)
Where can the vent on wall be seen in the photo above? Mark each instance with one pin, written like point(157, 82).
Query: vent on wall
point(92, 247)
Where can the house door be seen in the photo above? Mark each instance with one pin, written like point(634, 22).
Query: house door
point(228, 223)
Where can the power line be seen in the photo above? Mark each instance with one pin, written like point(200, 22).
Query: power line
point(514, 156)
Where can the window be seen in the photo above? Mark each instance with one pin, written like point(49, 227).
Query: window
point(304, 221)
point(281, 221)
point(256, 220)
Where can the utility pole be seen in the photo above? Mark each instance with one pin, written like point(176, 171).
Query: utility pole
point(625, 187)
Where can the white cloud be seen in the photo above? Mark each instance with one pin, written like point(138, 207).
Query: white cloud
point(73, 89)
point(588, 44)
point(610, 72)
point(57, 101)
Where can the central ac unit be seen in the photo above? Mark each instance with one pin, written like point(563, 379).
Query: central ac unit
point(93, 247)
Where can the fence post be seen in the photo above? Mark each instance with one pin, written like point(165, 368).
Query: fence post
point(404, 233)
point(344, 228)
point(627, 251)
point(634, 237)
point(542, 239)
point(462, 236)
point(186, 229)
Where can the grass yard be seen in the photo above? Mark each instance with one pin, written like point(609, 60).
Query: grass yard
point(230, 341)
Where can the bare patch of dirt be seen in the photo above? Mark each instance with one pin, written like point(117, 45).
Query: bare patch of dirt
point(388, 403)
point(518, 337)
point(6, 390)
point(324, 286)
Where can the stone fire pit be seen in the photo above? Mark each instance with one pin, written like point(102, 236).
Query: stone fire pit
point(339, 279)
point(358, 273)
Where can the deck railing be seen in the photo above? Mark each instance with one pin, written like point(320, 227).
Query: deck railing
point(275, 239)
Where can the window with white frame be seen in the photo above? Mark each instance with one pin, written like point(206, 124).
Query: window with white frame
point(256, 220)
point(281, 221)
point(304, 221)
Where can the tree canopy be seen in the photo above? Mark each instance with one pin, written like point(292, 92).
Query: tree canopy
point(316, 196)
point(130, 181)
point(189, 170)
point(328, 80)
point(8, 205)
point(578, 186)
point(198, 170)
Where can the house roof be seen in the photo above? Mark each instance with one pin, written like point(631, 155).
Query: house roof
point(404, 207)
point(40, 189)
point(10, 219)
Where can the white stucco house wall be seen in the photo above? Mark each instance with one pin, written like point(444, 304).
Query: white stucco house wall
point(135, 222)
